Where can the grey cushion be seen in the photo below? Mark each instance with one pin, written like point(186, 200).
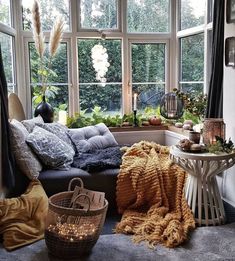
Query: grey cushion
point(30, 124)
point(52, 151)
point(26, 160)
point(58, 129)
point(92, 137)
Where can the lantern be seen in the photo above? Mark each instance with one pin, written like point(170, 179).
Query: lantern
point(171, 106)
point(213, 127)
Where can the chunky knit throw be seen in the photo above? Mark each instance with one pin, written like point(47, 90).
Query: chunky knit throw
point(150, 196)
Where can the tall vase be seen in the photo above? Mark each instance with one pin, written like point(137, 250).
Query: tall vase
point(45, 110)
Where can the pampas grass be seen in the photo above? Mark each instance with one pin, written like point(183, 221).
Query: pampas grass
point(39, 40)
point(37, 34)
point(55, 36)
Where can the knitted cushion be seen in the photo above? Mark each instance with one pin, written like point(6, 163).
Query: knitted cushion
point(53, 152)
point(58, 129)
point(26, 160)
point(92, 137)
point(30, 124)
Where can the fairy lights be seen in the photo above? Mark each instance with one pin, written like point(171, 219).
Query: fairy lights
point(73, 232)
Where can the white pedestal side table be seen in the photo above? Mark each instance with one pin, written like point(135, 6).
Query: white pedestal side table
point(201, 190)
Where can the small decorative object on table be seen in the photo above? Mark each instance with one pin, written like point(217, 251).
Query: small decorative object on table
point(213, 127)
point(195, 136)
point(221, 145)
point(188, 145)
point(75, 220)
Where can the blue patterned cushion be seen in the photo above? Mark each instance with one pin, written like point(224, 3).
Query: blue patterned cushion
point(51, 150)
point(92, 138)
point(58, 129)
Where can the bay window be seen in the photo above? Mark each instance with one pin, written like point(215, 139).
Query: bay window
point(152, 46)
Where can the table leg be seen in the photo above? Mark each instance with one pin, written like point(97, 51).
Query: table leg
point(204, 199)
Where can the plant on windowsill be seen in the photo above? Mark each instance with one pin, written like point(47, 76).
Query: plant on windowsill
point(97, 115)
point(194, 106)
point(45, 63)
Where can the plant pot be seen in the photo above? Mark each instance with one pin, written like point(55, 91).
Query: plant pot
point(45, 110)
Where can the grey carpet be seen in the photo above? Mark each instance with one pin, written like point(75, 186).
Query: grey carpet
point(206, 243)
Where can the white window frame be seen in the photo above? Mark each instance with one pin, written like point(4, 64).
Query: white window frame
point(167, 64)
point(102, 30)
point(172, 39)
point(28, 40)
point(11, 31)
point(204, 28)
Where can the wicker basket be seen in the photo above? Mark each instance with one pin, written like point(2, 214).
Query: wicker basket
point(71, 231)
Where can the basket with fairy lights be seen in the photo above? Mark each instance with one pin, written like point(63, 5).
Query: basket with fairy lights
point(75, 220)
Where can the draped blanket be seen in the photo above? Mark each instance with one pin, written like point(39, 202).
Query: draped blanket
point(99, 159)
point(150, 196)
point(22, 219)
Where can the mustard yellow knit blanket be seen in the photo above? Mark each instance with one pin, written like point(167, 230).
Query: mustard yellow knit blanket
point(150, 196)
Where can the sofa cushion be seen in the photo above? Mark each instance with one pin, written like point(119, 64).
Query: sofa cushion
point(92, 137)
point(58, 129)
point(26, 160)
point(30, 124)
point(52, 151)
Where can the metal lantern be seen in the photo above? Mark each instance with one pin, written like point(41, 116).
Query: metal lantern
point(213, 127)
point(171, 106)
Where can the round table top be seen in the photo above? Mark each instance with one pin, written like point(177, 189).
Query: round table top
point(200, 156)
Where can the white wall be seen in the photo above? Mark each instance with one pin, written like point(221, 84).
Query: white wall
point(228, 181)
point(163, 137)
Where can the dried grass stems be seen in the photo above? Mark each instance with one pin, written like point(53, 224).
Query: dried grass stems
point(37, 33)
point(55, 36)
point(55, 39)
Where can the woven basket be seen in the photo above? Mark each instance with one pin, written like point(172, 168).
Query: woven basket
point(71, 231)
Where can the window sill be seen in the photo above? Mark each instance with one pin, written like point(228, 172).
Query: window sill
point(142, 128)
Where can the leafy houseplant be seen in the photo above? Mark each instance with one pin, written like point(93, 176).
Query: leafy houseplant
point(45, 63)
point(194, 105)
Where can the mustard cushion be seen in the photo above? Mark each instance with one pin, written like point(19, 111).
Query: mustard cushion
point(22, 219)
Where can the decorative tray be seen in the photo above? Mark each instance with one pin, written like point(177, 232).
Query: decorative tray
point(202, 150)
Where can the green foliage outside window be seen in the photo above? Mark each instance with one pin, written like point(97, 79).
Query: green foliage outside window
point(90, 95)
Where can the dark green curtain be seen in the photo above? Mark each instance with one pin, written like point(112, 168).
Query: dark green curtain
point(7, 159)
point(215, 94)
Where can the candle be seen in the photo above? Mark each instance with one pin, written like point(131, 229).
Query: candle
point(62, 117)
point(135, 101)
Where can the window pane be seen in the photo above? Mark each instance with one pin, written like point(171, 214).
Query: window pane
point(148, 15)
point(5, 16)
point(99, 14)
point(192, 59)
point(108, 92)
point(192, 13)
point(7, 55)
point(195, 88)
point(108, 97)
point(49, 11)
point(148, 73)
point(57, 78)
